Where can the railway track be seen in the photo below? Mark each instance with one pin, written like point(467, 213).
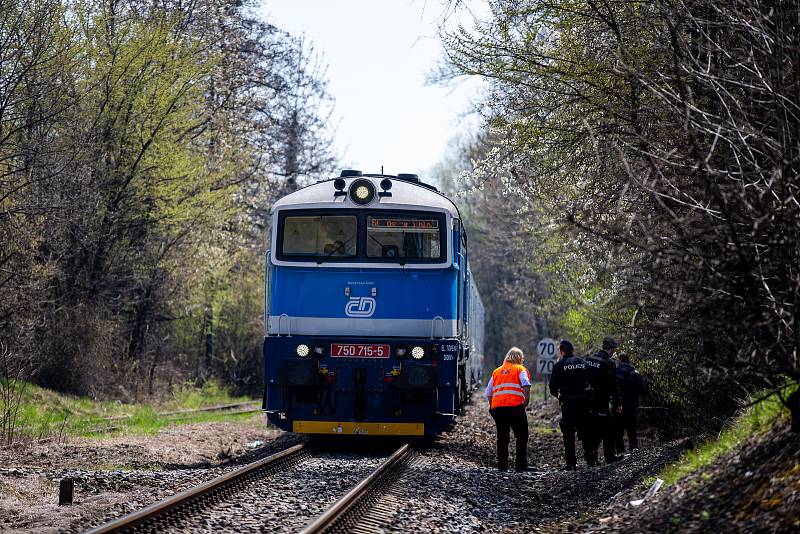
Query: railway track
point(349, 513)
point(166, 513)
point(236, 408)
point(231, 409)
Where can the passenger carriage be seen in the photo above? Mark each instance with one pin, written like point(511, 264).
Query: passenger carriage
point(373, 323)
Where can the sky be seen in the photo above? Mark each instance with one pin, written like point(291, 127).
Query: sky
point(378, 55)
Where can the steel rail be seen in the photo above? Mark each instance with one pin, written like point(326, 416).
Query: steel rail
point(175, 415)
point(173, 503)
point(217, 408)
point(341, 507)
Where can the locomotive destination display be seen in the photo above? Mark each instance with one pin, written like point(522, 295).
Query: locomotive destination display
point(416, 224)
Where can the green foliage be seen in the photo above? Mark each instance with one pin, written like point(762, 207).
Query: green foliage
point(44, 413)
point(749, 424)
point(556, 95)
point(188, 396)
point(224, 300)
point(654, 192)
point(139, 145)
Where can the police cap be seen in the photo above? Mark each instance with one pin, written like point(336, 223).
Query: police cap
point(609, 343)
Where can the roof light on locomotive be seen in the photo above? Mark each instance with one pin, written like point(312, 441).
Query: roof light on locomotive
point(386, 185)
point(362, 191)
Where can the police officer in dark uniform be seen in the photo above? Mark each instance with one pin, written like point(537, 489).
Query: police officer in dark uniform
point(631, 386)
point(602, 377)
point(569, 384)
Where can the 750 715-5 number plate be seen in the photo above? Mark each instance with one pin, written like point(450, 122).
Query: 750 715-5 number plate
point(358, 350)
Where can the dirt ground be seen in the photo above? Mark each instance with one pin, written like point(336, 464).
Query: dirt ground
point(123, 473)
point(137, 470)
point(180, 446)
point(755, 488)
point(134, 468)
point(133, 471)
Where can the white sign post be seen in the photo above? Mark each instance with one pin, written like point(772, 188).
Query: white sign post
point(546, 349)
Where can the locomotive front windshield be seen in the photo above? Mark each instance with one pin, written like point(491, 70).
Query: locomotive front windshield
point(331, 236)
point(403, 237)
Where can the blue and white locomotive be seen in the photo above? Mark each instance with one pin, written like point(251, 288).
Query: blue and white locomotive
point(373, 323)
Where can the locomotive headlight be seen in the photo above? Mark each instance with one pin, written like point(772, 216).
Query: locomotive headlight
point(417, 353)
point(302, 350)
point(319, 350)
point(362, 192)
point(401, 352)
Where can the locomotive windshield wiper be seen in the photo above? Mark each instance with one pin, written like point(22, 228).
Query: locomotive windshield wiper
point(338, 247)
point(375, 239)
point(383, 247)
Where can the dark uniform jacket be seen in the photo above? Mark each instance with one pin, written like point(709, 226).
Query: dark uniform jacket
point(631, 385)
point(602, 376)
point(569, 380)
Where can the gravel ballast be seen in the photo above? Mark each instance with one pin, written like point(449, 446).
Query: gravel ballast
point(451, 486)
point(455, 485)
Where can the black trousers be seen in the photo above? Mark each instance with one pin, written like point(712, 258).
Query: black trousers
point(600, 429)
point(509, 418)
point(573, 420)
point(626, 421)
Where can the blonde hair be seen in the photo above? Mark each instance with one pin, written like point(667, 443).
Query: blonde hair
point(514, 355)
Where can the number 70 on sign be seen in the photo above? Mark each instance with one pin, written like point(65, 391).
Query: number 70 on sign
point(546, 348)
point(546, 367)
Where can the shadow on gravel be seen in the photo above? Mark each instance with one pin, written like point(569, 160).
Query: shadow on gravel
point(363, 445)
point(175, 466)
point(323, 443)
point(281, 442)
point(546, 495)
point(273, 446)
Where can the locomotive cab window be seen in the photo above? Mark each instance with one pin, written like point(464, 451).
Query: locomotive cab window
point(404, 237)
point(329, 236)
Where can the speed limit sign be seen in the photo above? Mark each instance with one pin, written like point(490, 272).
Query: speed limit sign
point(546, 367)
point(546, 348)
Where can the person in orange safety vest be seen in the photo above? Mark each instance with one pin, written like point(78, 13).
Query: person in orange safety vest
point(509, 392)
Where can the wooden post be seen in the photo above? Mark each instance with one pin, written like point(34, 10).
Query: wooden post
point(65, 491)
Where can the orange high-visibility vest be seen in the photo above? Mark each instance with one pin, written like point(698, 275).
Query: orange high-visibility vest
point(506, 386)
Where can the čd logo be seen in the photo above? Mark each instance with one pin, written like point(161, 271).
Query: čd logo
point(360, 307)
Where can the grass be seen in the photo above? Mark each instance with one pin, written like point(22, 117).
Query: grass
point(46, 413)
point(754, 420)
